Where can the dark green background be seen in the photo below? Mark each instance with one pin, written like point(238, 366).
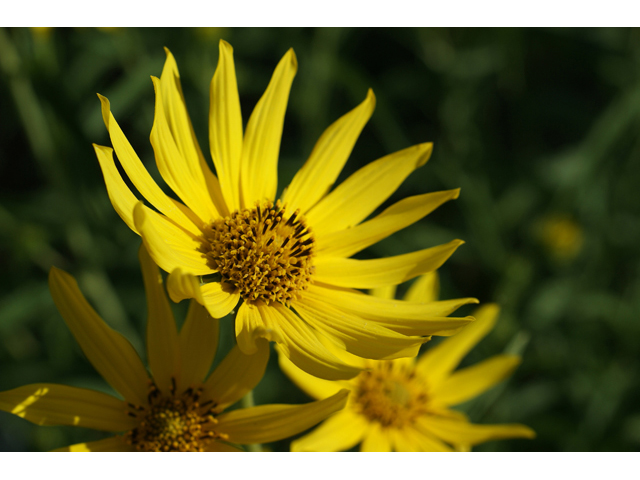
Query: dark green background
point(531, 123)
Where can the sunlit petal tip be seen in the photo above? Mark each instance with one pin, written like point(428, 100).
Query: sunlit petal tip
point(168, 52)
point(291, 55)
point(223, 44)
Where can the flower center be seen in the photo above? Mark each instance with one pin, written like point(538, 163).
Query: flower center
point(173, 423)
point(390, 396)
point(262, 252)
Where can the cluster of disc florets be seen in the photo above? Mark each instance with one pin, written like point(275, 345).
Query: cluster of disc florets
point(390, 396)
point(173, 422)
point(262, 252)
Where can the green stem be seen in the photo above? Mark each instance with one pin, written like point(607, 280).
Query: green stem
point(247, 402)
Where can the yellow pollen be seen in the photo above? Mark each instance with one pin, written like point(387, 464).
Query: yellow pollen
point(262, 251)
point(173, 423)
point(390, 396)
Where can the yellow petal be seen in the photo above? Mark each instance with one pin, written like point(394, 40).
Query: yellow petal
point(340, 432)
point(163, 352)
point(300, 343)
point(183, 176)
point(472, 381)
point(408, 318)
point(108, 351)
point(121, 197)
point(328, 157)
point(198, 344)
point(269, 423)
point(50, 404)
point(315, 387)
point(352, 273)
point(138, 174)
point(425, 289)
point(344, 243)
point(181, 286)
point(465, 433)
point(259, 164)
point(438, 362)
point(387, 292)
point(219, 298)
point(221, 447)
point(236, 375)
point(250, 327)
point(411, 439)
point(179, 123)
point(170, 246)
point(361, 337)
point(225, 126)
point(360, 194)
point(111, 444)
point(376, 439)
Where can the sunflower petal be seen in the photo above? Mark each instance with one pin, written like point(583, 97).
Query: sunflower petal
point(440, 361)
point(425, 289)
point(340, 432)
point(465, 433)
point(225, 126)
point(111, 444)
point(50, 404)
point(220, 298)
point(413, 439)
point(328, 157)
point(472, 381)
point(108, 351)
point(236, 375)
point(162, 335)
point(376, 439)
point(352, 273)
point(259, 164)
point(170, 246)
point(198, 344)
point(387, 292)
point(269, 423)
point(250, 327)
point(360, 194)
point(344, 243)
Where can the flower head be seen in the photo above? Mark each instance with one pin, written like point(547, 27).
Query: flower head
point(287, 259)
point(177, 408)
point(404, 404)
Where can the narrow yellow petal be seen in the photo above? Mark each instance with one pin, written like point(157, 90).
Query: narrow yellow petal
point(412, 439)
point(50, 404)
point(269, 423)
point(198, 344)
point(361, 337)
point(408, 318)
point(261, 147)
point(236, 375)
point(108, 351)
point(225, 126)
point(328, 157)
point(425, 289)
point(376, 439)
point(340, 432)
point(300, 343)
point(353, 273)
point(470, 382)
point(181, 286)
point(170, 246)
point(121, 197)
point(438, 362)
point(138, 174)
point(250, 327)
point(183, 176)
point(111, 444)
point(344, 243)
point(360, 194)
point(315, 387)
point(220, 298)
point(465, 433)
point(163, 352)
point(387, 292)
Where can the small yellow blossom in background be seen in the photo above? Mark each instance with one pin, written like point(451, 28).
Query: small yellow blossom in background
point(286, 260)
point(177, 408)
point(562, 236)
point(404, 404)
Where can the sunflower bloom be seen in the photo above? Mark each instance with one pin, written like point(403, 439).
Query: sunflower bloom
point(286, 260)
point(404, 404)
point(176, 408)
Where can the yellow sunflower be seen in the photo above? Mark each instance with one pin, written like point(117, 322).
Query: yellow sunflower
point(177, 408)
point(287, 259)
point(404, 404)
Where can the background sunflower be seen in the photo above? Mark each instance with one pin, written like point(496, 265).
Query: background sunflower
point(538, 126)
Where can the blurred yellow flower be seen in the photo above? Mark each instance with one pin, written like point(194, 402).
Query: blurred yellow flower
point(404, 404)
point(287, 260)
point(562, 236)
point(177, 408)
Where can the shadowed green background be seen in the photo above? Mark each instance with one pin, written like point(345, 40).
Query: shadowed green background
point(538, 127)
